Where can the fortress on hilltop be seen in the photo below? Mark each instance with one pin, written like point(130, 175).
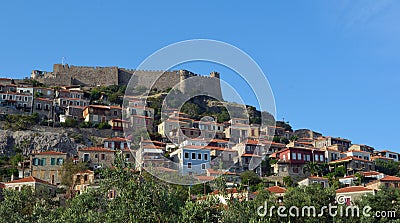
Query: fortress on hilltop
point(105, 76)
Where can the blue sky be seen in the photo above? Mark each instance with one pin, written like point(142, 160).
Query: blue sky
point(333, 66)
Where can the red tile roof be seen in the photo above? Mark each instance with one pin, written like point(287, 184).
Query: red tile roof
point(104, 107)
point(390, 178)
point(228, 191)
point(119, 139)
point(2, 186)
point(220, 148)
point(381, 157)
point(30, 179)
point(219, 140)
point(348, 158)
point(194, 147)
point(250, 155)
point(97, 149)
point(251, 142)
point(205, 178)
point(44, 99)
point(49, 153)
point(276, 189)
point(371, 173)
point(164, 169)
point(216, 172)
point(353, 189)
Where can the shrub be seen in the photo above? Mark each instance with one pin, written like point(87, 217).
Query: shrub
point(104, 125)
point(70, 122)
point(85, 125)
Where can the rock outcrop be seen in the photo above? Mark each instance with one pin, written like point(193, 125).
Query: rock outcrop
point(30, 141)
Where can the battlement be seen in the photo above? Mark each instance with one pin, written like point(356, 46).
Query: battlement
point(105, 76)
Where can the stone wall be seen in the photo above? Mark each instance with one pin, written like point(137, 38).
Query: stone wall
point(106, 76)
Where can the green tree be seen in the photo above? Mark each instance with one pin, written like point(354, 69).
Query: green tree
point(16, 159)
point(313, 168)
point(70, 168)
point(388, 167)
point(250, 178)
point(288, 181)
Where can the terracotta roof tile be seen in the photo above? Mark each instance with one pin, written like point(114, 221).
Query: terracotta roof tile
point(205, 178)
point(276, 189)
point(119, 139)
point(49, 153)
point(353, 189)
point(390, 178)
point(348, 158)
point(30, 179)
point(96, 149)
point(318, 178)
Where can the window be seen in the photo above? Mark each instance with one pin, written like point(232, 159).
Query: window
point(193, 156)
point(299, 156)
point(321, 158)
point(43, 162)
point(284, 157)
point(189, 165)
point(46, 107)
point(205, 156)
point(86, 157)
point(127, 156)
point(203, 166)
point(95, 156)
point(199, 156)
point(316, 157)
point(115, 113)
point(308, 157)
point(95, 118)
point(39, 106)
point(53, 161)
point(103, 156)
point(35, 161)
point(293, 156)
point(60, 161)
point(186, 155)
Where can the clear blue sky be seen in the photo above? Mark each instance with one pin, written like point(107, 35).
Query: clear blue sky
point(333, 66)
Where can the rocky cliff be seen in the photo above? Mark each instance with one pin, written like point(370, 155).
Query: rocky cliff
point(32, 141)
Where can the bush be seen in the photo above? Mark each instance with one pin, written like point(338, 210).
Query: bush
point(70, 122)
point(21, 122)
point(85, 125)
point(104, 125)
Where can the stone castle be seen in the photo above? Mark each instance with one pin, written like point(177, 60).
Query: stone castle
point(105, 76)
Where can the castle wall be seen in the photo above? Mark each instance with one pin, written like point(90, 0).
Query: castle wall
point(105, 76)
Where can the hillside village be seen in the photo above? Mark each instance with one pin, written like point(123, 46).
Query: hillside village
point(285, 158)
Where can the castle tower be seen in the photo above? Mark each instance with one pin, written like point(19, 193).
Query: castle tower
point(183, 74)
point(214, 74)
